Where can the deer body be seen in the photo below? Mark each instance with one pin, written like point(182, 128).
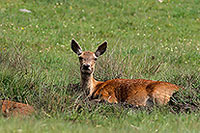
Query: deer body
point(11, 108)
point(133, 91)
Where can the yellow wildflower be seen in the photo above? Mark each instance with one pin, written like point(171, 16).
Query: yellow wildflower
point(70, 7)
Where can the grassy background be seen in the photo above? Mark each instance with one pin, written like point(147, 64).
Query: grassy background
point(146, 39)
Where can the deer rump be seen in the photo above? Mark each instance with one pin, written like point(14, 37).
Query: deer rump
point(138, 92)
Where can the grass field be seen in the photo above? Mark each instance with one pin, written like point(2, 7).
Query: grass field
point(146, 39)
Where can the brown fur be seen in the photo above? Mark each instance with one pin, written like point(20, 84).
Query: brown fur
point(11, 108)
point(132, 91)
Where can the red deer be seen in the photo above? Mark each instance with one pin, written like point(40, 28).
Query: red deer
point(11, 108)
point(137, 92)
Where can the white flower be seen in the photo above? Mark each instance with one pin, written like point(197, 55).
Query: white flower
point(160, 1)
point(24, 10)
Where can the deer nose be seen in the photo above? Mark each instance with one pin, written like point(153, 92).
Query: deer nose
point(86, 66)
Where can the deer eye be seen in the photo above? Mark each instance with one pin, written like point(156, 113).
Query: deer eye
point(80, 58)
point(95, 59)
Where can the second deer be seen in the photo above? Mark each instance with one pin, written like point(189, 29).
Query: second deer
point(11, 108)
point(139, 92)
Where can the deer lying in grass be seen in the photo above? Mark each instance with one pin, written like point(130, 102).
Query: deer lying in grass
point(11, 108)
point(138, 92)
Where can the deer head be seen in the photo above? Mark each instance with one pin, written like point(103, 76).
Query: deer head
point(87, 59)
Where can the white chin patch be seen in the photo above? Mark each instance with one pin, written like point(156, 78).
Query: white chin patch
point(87, 71)
point(94, 56)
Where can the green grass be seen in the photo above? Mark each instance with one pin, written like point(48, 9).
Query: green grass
point(133, 122)
point(146, 39)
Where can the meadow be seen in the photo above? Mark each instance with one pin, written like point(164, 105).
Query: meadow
point(147, 39)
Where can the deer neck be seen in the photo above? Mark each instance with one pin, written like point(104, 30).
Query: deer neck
point(88, 83)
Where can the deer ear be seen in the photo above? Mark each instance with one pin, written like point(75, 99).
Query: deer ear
point(101, 49)
point(75, 47)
